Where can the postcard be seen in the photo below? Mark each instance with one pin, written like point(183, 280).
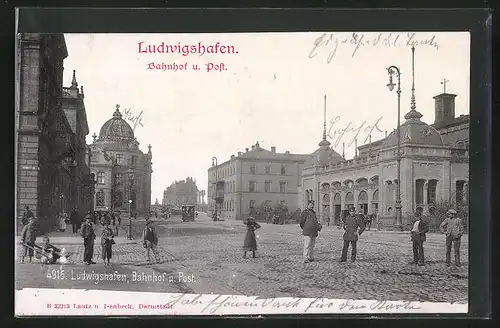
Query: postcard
point(242, 173)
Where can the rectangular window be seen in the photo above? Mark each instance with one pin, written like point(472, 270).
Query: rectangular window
point(119, 159)
point(252, 186)
point(283, 169)
point(252, 204)
point(282, 187)
point(268, 169)
point(100, 177)
point(133, 160)
point(252, 169)
point(118, 178)
point(267, 186)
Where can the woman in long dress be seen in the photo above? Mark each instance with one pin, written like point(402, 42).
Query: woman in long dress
point(250, 244)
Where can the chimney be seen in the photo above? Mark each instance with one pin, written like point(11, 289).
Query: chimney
point(232, 157)
point(246, 150)
point(287, 152)
point(240, 153)
point(253, 147)
point(444, 107)
point(273, 149)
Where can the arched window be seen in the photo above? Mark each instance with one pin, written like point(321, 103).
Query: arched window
point(99, 198)
point(431, 191)
point(117, 199)
point(363, 201)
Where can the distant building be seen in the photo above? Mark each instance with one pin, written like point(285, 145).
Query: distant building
point(252, 179)
point(184, 192)
point(434, 169)
point(52, 173)
point(114, 152)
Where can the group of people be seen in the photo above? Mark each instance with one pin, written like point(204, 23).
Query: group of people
point(149, 241)
point(110, 223)
point(355, 224)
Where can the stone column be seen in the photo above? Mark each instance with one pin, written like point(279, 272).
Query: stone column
point(426, 190)
point(370, 199)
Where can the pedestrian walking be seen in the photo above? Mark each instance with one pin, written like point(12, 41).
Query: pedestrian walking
point(75, 220)
point(453, 228)
point(107, 241)
point(88, 234)
point(354, 225)
point(250, 243)
point(418, 237)
point(27, 215)
point(28, 237)
point(310, 227)
point(150, 240)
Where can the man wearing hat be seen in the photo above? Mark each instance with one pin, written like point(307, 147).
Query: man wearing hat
point(310, 227)
point(418, 236)
point(453, 228)
point(353, 226)
point(150, 240)
point(88, 234)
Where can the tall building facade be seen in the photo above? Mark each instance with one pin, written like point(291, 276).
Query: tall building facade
point(184, 192)
point(252, 179)
point(52, 174)
point(114, 154)
point(434, 169)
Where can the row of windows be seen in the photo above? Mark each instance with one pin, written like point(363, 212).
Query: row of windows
point(253, 169)
point(230, 170)
point(120, 160)
point(252, 186)
point(228, 205)
point(119, 179)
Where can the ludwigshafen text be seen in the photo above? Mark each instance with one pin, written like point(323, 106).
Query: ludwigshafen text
point(185, 49)
point(96, 277)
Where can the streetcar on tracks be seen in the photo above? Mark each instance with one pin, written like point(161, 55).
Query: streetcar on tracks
point(188, 213)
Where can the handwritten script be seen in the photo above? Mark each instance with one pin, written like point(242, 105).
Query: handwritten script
point(352, 131)
point(135, 119)
point(331, 43)
point(219, 303)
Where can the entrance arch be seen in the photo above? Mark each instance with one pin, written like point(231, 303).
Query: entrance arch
point(337, 208)
point(363, 201)
point(326, 208)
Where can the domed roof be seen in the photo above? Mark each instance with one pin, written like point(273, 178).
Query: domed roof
point(414, 131)
point(324, 155)
point(116, 128)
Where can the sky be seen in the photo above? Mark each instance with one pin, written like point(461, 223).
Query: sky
point(271, 90)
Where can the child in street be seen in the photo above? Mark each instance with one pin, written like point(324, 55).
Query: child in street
point(107, 242)
point(250, 244)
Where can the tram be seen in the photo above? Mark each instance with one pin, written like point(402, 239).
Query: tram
point(188, 212)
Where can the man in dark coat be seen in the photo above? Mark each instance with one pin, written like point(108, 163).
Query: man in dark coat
point(310, 227)
point(353, 225)
point(75, 220)
point(420, 228)
point(88, 235)
point(27, 215)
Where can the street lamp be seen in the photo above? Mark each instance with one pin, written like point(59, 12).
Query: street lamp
point(214, 163)
point(393, 70)
point(131, 176)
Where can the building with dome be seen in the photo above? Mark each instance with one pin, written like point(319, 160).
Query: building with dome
point(113, 153)
point(434, 169)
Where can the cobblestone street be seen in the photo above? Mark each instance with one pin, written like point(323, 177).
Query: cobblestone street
point(211, 253)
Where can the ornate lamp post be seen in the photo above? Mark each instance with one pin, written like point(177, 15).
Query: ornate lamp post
point(393, 70)
point(131, 177)
point(214, 163)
